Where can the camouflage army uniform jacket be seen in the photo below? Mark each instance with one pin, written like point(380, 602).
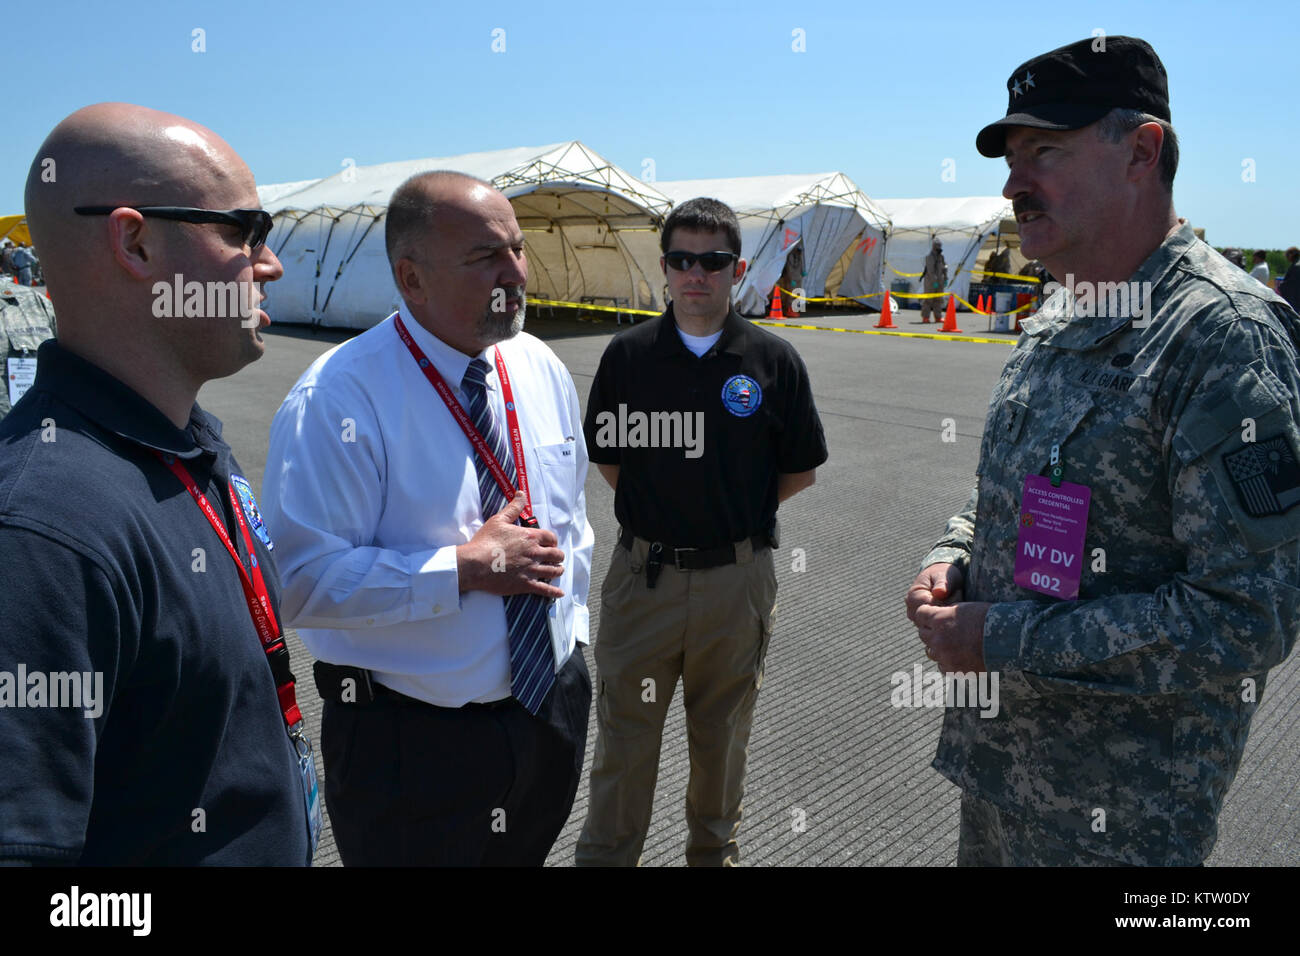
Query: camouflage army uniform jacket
point(1136, 699)
point(26, 320)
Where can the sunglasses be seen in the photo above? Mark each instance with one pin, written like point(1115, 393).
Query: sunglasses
point(711, 261)
point(255, 223)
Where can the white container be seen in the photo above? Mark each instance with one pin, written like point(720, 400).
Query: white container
point(1002, 323)
point(1004, 301)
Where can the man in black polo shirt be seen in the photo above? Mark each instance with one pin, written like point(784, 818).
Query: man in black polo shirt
point(146, 707)
point(702, 423)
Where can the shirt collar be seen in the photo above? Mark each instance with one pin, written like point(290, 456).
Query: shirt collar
point(116, 408)
point(735, 334)
point(1065, 330)
point(451, 363)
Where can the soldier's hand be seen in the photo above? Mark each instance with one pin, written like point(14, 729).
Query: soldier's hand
point(504, 558)
point(953, 635)
point(938, 584)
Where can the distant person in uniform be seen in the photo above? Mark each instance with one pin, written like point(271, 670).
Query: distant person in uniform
point(1034, 270)
point(997, 268)
point(136, 571)
point(792, 279)
point(1128, 565)
point(934, 278)
point(1289, 288)
point(24, 261)
point(999, 264)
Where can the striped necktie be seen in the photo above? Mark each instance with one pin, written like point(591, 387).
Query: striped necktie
point(532, 662)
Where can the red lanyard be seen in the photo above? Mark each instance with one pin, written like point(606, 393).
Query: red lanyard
point(255, 592)
point(462, 419)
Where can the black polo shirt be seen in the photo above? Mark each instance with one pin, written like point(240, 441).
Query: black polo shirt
point(100, 572)
point(693, 486)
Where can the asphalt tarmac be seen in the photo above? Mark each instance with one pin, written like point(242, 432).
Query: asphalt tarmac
point(836, 774)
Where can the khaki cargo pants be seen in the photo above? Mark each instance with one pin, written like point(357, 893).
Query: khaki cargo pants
point(712, 629)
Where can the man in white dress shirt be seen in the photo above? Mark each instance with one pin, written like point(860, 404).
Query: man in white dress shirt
point(1259, 268)
point(456, 699)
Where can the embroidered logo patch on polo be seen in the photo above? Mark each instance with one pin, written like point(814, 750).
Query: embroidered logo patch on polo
point(741, 396)
point(1266, 475)
point(247, 501)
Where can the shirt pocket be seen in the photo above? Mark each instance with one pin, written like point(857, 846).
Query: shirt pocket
point(1020, 441)
point(552, 479)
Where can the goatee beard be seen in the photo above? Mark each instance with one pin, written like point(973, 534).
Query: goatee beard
point(494, 327)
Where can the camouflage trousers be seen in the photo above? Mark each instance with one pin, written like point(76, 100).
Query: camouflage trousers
point(992, 837)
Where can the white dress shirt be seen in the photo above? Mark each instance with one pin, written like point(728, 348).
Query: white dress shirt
point(370, 485)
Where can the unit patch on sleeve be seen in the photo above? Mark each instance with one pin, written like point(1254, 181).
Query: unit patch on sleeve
point(1266, 475)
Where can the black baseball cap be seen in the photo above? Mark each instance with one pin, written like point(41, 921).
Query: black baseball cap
point(1076, 85)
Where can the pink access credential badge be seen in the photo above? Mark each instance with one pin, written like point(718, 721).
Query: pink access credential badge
point(1049, 547)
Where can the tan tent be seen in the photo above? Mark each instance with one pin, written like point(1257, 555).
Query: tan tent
point(591, 232)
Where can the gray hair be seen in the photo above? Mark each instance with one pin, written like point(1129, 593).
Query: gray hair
point(413, 210)
point(1119, 122)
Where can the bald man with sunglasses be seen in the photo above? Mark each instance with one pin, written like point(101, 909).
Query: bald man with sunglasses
point(157, 722)
point(701, 423)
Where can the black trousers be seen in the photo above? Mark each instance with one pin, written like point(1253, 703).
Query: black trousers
point(410, 784)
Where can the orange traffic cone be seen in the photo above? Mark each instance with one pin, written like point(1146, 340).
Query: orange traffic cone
point(950, 317)
point(775, 312)
point(979, 305)
point(886, 316)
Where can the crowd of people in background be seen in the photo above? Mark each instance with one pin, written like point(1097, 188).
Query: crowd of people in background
point(20, 262)
point(1286, 285)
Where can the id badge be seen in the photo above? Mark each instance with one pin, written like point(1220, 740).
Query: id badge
point(21, 375)
point(1049, 545)
point(561, 626)
point(310, 791)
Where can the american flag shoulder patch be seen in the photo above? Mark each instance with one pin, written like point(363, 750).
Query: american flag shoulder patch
point(1266, 475)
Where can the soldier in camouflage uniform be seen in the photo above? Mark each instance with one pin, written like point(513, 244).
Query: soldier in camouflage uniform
point(934, 278)
point(1124, 713)
point(26, 320)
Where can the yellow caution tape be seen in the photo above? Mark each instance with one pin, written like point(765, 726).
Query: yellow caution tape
point(829, 298)
point(868, 295)
point(941, 336)
point(904, 295)
point(906, 275)
point(594, 308)
point(1027, 305)
point(865, 295)
point(1005, 275)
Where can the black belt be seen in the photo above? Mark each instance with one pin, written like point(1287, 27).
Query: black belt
point(693, 559)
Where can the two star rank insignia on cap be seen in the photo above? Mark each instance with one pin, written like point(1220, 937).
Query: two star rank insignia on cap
point(1028, 81)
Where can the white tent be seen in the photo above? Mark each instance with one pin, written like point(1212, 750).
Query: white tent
point(590, 231)
point(842, 232)
point(270, 193)
point(962, 224)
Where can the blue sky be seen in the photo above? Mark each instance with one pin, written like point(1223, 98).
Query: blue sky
point(883, 92)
